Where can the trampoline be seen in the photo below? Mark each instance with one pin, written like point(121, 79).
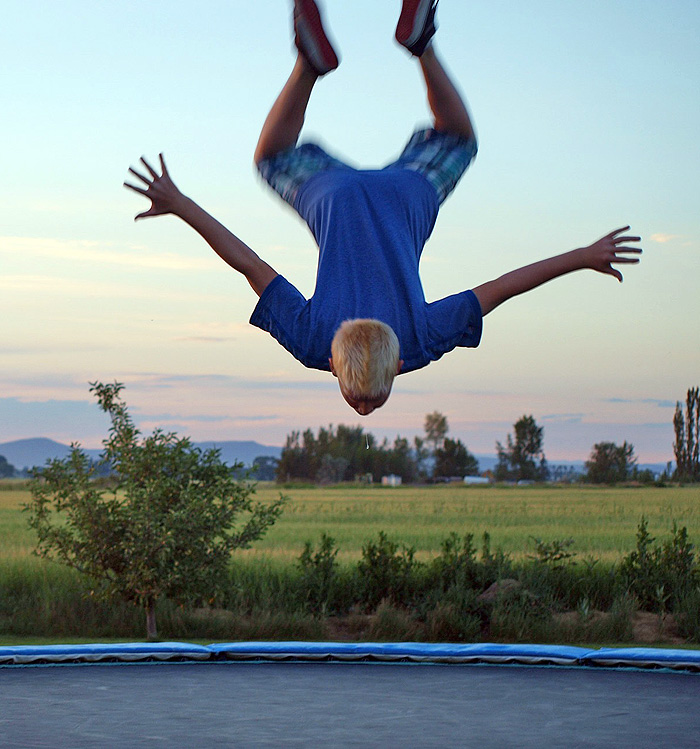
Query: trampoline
point(331, 694)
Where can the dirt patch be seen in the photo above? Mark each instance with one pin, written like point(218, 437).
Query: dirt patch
point(654, 629)
point(352, 628)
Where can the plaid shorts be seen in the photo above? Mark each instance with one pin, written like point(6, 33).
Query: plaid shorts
point(442, 158)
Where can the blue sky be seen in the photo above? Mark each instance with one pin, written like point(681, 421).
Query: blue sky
point(587, 115)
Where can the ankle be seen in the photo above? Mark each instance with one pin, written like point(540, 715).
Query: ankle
point(303, 70)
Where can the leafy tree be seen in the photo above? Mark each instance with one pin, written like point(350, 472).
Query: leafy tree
point(166, 529)
point(293, 460)
point(453, 459)
point(264, 468)
point(7, 470)
point(435, 427)
point(610, 463)
point(341, 454)
point(401, 461)
point(522, 458)
point(686, 426)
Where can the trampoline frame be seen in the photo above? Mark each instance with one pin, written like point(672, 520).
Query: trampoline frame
point(479, 653)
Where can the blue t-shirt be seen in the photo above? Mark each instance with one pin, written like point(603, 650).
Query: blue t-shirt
point(371, 227)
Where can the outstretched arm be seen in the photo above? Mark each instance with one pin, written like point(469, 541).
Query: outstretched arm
point(598, 256)
point(166, 198)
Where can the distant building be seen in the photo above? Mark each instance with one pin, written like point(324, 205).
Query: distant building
point(391, 480)
point(477, 480)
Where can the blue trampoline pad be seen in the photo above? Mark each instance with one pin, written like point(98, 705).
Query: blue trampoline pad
point(375, 704)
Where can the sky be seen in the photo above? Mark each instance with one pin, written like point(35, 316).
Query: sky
point(587, 116)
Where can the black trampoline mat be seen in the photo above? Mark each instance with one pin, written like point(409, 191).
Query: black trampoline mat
point(331, 704)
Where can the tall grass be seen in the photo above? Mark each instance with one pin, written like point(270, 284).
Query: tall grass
point(43, 599)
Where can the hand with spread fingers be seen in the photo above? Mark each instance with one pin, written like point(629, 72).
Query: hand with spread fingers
point(601, 255)
point(598, 256)
point(160, 190)
point(167, 199)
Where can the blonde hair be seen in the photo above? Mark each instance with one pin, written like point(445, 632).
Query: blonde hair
point(365, 357)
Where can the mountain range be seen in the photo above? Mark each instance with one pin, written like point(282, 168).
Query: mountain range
point(30, 453)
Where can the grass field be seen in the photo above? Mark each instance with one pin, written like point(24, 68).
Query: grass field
point(601, 520)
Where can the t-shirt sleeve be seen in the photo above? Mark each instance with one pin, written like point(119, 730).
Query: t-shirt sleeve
point(284, 313)
point(455, 321)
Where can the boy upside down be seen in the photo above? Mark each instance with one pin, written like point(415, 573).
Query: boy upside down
point(368, 319)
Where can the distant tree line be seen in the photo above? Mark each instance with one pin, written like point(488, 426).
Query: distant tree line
point(345, 453)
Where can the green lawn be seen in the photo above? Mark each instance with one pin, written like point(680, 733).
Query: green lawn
point(601, 520)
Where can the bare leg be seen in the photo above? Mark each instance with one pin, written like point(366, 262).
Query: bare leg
point(450, 113)
point(286, 118)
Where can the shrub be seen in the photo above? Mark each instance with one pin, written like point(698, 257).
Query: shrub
point(318, 574)
point(660, 576)
point(387, 572)
point(494, 564)
point(456, 565)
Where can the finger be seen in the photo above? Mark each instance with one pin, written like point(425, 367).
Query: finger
point(617, 231)
point(635, 250)
point(135, 188)
point(151, 170)
point(626, 260)
point(615, 272)
point(143, 179)
point(146, 214)
point(162, 165)
point(627, 239)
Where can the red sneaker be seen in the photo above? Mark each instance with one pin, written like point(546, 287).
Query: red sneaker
point(310, 38)
point(416, 25)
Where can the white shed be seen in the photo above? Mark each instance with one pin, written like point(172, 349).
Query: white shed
point(391, 480)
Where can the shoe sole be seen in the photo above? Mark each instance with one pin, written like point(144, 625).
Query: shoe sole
point(412, 21)
point(311, 38)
